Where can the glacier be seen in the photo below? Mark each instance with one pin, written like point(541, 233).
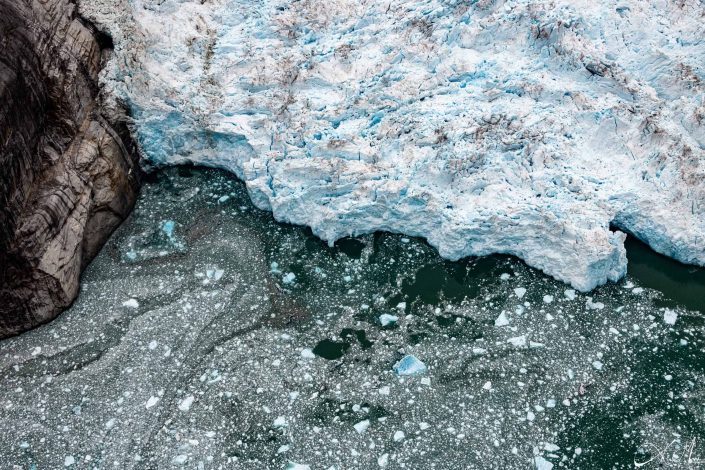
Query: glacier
point(539, 129)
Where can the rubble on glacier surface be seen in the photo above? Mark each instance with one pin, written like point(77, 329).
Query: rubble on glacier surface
point(519, 127)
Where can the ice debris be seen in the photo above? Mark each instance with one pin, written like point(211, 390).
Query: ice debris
point(409, 365)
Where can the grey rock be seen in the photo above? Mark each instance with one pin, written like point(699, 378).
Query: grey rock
point(69, 171)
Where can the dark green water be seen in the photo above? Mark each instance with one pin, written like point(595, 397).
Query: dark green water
point(681, 284)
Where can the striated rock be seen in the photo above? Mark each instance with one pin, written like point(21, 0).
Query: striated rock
point(69, 172)
point(522, 127)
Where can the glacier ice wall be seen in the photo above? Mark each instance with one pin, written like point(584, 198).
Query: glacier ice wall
point(521, 127)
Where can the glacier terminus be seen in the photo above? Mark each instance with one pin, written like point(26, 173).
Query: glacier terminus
point(544, 130)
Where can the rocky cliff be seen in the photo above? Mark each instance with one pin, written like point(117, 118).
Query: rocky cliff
point(69, 172)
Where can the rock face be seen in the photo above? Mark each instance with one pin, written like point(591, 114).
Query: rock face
point(519, 127)
point(69, 172)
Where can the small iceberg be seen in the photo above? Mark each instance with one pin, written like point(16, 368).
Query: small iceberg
point(388, 320)
point(409, 365)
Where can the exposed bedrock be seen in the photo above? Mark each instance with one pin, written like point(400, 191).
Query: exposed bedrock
point(68, 171)
point(521, 127)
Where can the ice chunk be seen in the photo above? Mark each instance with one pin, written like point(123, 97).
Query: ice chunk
point(362, 426)
point(180, 459)
point(670, 317)
point(151, 402)
point(288, 278)
point(502, 319)
point(186, 403)
point(296, 466)
point(132, 303)
point(386, 319)
point(547, 299)
point(307, 353)
point(597, 365)
point(569, 294)
point(215, 273)
point(519, 292)
point(409, 365)
point(594, 305)
point(504, 276)
point(383, 460)
point(518, 341)
point(487, 386)
point(542, 464)
point(399, 436)
point(280, 422)
point(110, 424)
point(69, 460)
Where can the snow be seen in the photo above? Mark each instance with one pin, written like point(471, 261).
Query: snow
point(383, 460)
point(524, 128)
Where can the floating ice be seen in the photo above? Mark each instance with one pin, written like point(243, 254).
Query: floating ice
point(186, 403)
point(280, 422)
point(288, 278)
point(542, 464)
point(151, 402)
point(307, 353)
point(569, 294)
point(501, 320)
point(547, 299)
point(296, 466)
point(398, 436)
point(519, 292)
point(132, 303)
point(215, 273)
point(69, 460)
point(386, 319)
point(518, 341)
point(670, 317)
point(409, 365)
point(362, 426)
